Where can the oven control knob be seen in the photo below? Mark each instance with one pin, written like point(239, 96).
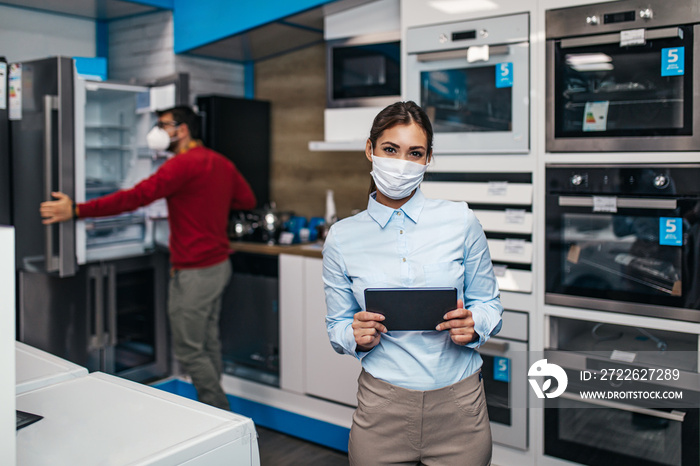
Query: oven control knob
point(576, 180)
point(592, 20)
point(647, 13)
point(660, 181)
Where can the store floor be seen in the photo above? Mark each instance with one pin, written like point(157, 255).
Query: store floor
point(277, 449)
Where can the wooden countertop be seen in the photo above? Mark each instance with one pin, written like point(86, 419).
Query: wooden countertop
point(307, 249)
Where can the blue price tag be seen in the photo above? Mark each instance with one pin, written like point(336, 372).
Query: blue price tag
point(673, 61)
point(501, 369)
point(504, 75)
point(671, 231)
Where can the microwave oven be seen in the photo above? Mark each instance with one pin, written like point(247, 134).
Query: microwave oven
point(472, 79)
point(364, 71)
point(622, 76)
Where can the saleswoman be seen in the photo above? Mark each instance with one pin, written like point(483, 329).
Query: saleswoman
point(420, 395)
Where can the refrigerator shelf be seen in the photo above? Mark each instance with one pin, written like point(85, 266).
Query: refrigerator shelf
point(121, 148)
point(108, 128)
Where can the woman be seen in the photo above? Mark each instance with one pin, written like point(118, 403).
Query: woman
point(420, 395)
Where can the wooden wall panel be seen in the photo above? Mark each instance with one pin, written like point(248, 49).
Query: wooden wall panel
point(295, 84)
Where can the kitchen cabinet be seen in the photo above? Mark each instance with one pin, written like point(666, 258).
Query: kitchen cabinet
point(308, 363)
point(327, 374)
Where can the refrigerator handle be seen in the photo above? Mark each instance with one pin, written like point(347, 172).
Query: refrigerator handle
point(50, 104)
point(112, 304)
point(97, 332)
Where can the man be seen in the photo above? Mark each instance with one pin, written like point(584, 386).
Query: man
point(201, 187)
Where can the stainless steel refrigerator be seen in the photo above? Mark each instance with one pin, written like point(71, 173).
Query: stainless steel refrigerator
point(91, 291)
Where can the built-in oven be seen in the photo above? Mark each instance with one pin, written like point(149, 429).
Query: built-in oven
point(504, 370)
point(621, 76)
point(472, 79)
point(364, 71)
point(624, 238)
point(631, 397)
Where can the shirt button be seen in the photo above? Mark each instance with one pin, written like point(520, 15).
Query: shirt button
point(401, 232)
point(404, 259)
point(398, 213)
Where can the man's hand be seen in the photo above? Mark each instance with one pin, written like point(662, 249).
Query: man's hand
point(367, 329)
point(461, 325)
point(56, 211)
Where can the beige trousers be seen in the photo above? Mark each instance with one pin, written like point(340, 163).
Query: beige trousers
point(394, 425)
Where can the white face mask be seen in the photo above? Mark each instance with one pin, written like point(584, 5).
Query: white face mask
point(158, 139)
point(396, 178)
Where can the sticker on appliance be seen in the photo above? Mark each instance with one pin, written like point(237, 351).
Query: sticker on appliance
point(595, 116)
point(504, 75)
point(671, 231)
point(3, 86)
point(501, 369)
point(673, 61)
point(15, 92)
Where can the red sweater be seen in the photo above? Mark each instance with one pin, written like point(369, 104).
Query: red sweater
point(201, 187)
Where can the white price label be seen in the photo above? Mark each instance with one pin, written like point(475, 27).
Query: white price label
point(286, 237)
point(500, 270)
point(15, 92)
point(477, 53)
point(632, 37)
point(625, 356)
point(515, 216)
point(498, 188)
point(604, 204)
point(515, 246)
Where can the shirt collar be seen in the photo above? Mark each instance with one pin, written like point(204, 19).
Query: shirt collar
point(382, 214)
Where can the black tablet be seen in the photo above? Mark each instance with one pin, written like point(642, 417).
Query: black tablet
point(411, 308)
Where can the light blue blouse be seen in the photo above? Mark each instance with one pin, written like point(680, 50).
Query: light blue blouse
point(426, 242)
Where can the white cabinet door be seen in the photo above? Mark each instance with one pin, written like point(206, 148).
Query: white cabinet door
point(291, 319)
point(329, 375)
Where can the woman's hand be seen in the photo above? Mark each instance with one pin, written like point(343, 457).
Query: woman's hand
point(367, 329)
point(56, 211)
point(461, 325)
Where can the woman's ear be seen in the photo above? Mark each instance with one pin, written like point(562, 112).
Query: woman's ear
point(368, 150)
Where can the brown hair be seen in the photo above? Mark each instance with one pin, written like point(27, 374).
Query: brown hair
point(400, 113)
point(184, 114)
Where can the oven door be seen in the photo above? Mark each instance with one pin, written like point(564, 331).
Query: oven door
point(505, 371)
point(624, 261)
point(604, 94)
point(601, 433)
point(474, 91)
